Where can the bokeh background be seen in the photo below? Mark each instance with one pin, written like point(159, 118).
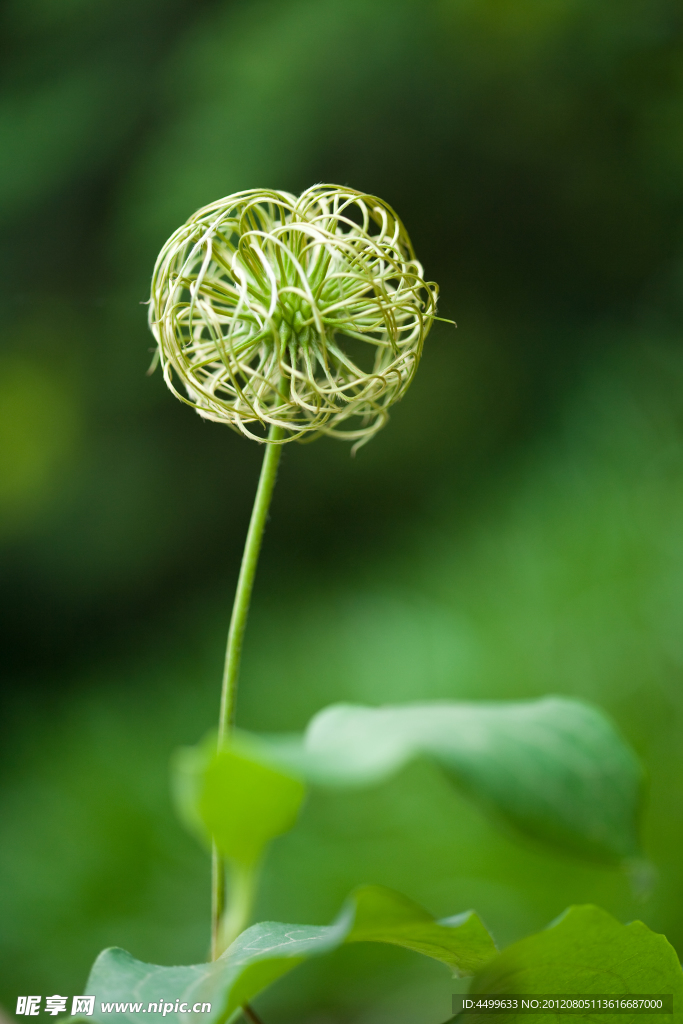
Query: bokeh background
point(516, 530)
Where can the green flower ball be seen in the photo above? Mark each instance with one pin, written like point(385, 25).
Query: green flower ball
point(308, 314)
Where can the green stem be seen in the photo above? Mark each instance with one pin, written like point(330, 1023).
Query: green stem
point(243, 879)
point(241, 891)
point(217, 900)
point(245, 583)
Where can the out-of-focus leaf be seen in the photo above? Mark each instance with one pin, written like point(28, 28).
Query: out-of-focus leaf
point(585, 951)
point(555, 768)
point(266, 951)
point(234, 798)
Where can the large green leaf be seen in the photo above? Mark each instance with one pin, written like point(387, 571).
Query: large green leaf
point(556, 768)
point(266, 951)
point(234, 798)
point(585, 951)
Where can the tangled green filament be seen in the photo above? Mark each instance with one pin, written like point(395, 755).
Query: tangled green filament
point(300, 314)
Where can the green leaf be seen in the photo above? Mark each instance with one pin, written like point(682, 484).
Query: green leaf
point(585, 951)
point(266, 951)
point(235, 797)
point(556, 769)
point(382, 915)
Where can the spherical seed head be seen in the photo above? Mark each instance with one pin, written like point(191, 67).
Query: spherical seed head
point(308, 314)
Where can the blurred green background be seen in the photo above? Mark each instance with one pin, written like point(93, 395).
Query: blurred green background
point(516, 530)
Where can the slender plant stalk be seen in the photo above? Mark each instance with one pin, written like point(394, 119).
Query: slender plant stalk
point(243, 883)
point(245, 583)
point(233, 654)
point(217, 900)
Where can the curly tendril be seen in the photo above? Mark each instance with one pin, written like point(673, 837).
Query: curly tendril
point(302, 314)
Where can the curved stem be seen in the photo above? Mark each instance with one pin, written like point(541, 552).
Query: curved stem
point(245, 583)
point(233, 654)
